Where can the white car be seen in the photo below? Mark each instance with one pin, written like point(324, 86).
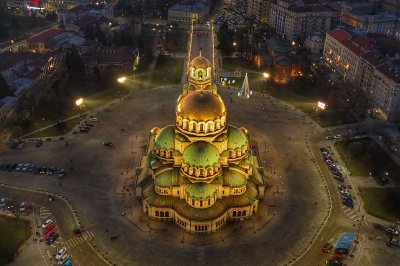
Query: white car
point(94, 119)
point(337, 136)
point(22, 206)
point(19, 167)
point(61, 252)
point(46, 223)
point(328, 162)
point(329, 137)
point(63, 259)
point(25, 167)
point(345, 193)
point(395, 242)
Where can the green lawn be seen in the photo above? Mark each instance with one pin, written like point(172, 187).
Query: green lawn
point(12, 234)
point(364, 156)
point(59, 109)
point(56, 131)
point(167, 71)
point(297, 93)
point(382, 202)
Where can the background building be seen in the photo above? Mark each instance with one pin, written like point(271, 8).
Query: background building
point(185, 13)
point(294, 20)
point(356, 61)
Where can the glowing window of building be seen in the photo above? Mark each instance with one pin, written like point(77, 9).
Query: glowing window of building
point(207, 73)
point(200, 75)
point(193, 73)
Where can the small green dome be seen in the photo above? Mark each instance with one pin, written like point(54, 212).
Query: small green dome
point(165, 138)
point(200, 154)
point(236, 138)
point(201, 191)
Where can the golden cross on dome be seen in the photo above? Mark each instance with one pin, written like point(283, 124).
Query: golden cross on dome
point(200, 52)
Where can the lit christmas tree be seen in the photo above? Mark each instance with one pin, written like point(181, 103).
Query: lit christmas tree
point(245, 91)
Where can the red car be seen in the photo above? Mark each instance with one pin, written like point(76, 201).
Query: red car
point(327, 248)
point(49, 234)
point(49, 227)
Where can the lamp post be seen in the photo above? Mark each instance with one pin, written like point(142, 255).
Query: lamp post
point(79, 104)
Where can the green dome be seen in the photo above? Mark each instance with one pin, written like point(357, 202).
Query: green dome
point(200, 154)
point(165, 138)
point(201, 191)
point(164, 179)
point(236, 138)
point(234, 179)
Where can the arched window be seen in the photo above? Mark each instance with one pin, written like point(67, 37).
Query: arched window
point(209, 202)
point(193, 74)
point(157, 213)
point(244, 213)
point(161, 214)
point(207, 73)
point(200, 75)
point(239, 213)
point(201, 203)
point(234, 213)
point(166, 214)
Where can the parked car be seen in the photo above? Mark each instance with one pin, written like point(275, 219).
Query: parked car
point(22, 206)
point(77, 232)
point(329, 137)
point(328, 162)
point(348, 204)
point(60, 253)
point(341, 187)
point(19, 167)
point(393, 231)
point(49, 228)
point(395, 242)
point(25, 167)
point(108, 144)
point(333, 262)
point(63, 259)
point(339, 178)
point(379, 227)
point(94, 119)
point(327, 248)
point(61, 173)
point(68, 262)
point(51, 239)
point(43, 170)
point(46, 223)
point(38, 143)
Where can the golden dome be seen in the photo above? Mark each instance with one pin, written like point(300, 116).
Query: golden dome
point(200, 62)
point(201, 106)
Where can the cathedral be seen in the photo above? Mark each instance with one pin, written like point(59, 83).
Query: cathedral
point(200, 172)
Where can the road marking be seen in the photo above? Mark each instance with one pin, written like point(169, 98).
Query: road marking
point(355, 215)
point(73, 242)
point(346, 211)
point(350, 213)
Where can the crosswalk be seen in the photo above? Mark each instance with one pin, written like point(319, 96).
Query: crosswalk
point(44, 213)
point(73, 242)
point(352, 214)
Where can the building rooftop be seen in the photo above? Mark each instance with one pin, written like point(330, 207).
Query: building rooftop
point(45, 36)
point(198, 7)
point(356, 44)
point(9, 59)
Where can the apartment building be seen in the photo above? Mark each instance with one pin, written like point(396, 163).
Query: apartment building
point(294, 20)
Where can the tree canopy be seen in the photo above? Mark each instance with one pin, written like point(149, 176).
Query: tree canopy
point(74, 61)
point(225, 39)
point(4, 88)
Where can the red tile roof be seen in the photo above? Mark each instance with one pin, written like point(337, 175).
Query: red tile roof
point(339, 34)
point(354, 43)
point(45, 36)
point(9, 59)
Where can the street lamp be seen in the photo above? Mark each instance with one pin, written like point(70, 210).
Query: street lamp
point(266, 75)
point(234, 43)
point(121, 79)
point(321, 105)
point(79, 102)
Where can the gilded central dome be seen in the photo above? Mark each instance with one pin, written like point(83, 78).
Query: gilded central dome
point(200, 62)
point(201, 106)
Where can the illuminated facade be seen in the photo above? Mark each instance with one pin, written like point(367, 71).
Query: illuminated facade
point(200, 172)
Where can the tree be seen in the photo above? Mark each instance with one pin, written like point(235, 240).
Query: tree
point(4, 88)
point(96, 72)
point(355, 149)
point(225, 39)
point(242, 41)
point(74, 61)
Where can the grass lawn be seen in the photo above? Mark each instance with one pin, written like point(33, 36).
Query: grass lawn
point(55, 110)
point(382, 202)
point(364, 156)
point(167, 71)
point(56, 131)
point(299, 96)
point(13, 233)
